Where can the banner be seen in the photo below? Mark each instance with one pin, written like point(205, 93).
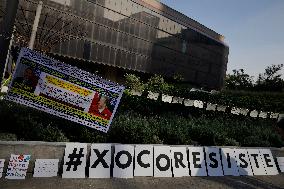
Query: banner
point(65, 91)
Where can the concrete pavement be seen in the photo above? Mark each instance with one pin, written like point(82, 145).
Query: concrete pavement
point(227, 182)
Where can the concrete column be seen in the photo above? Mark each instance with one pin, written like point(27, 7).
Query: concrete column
point(35, 25)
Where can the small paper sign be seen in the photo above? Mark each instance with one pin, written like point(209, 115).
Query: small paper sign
point(177, 100)
point(262, 114)
point(136, 93)
point(254, 113)
point(198, 104)
point(244, 111)
point(211, 107)
point(235, 111)
point(18, 166)
point(221, 108)
point(167, 98)
point(188, 102)
point(153, 96)
point(46, 167)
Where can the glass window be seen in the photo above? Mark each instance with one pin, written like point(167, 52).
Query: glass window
point(94, 52)
point(108, 35)
point(102, 34)
point(100, 53)
point(137, 28)
point(87, 50)
point(113, 37)
point(72, 47)
point(89, 31)
point(112, 56)
point(96, 32)
point(80, 49)
point(130, 43)
point(118, 43)
point(123, 59)
point(135, 44)
point(106, 54)
point(118, 57)
point(64, 47)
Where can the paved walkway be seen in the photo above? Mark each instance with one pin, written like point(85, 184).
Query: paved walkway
point(261, 182)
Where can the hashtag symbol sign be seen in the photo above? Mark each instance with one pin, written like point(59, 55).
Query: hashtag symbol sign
point(75, 159)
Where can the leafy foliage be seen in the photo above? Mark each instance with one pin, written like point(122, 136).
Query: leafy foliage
point(239, 80)
point(134, 82)
point(270, 80)
point(136, 123)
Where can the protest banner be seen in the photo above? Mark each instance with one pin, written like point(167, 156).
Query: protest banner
point(63, 90)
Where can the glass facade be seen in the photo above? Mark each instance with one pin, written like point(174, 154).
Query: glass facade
point(125, 34)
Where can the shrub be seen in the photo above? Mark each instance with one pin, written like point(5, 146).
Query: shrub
point(143, 121)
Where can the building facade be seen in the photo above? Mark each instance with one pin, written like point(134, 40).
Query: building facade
point(143, 36)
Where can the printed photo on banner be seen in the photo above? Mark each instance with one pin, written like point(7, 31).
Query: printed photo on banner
point(65, 91)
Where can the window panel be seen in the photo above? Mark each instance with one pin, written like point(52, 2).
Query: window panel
point(94, 52)
point(106, 54)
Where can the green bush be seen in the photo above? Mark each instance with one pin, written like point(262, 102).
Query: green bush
point(143, 121)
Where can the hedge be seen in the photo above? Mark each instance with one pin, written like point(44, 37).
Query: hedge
point(144, 121)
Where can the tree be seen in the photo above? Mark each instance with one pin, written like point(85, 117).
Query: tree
point(239, 80)
point(134, 82)
point(271, 79)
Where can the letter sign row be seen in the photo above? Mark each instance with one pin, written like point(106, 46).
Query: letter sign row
point(126, 161)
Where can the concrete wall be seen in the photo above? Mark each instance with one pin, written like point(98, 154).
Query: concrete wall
point(55, 150)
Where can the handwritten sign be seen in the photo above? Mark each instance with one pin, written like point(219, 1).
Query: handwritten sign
point(18, 166)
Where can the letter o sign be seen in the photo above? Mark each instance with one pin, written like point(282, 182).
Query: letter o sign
point(119, 163)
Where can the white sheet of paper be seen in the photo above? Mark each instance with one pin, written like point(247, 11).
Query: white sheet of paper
point(280, 162)
point(188, 102)
point(100, 168)
point(145, 153)
point(254, 113)
point(1, 171)
point(1, 166)
point(269, 162)
point(162, 161)
point(167, 98)
point(262, 114)
point(153, 96)
point(221, 108)
point(274, 115)
point(213, 161)
point(198, 104)
point(123, 161)
point(257, 162)
point(75, 160)
point(244, 111)
point(244, 168)
point(179, 161)
point(235, 111)
point(2, 161)
point(46, 167)
point(229, 161)
point(197, 164)
point(177, 100)
point(211, 107)
point(136, 93)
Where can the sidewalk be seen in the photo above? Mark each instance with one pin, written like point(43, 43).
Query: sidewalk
point(248, 182)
